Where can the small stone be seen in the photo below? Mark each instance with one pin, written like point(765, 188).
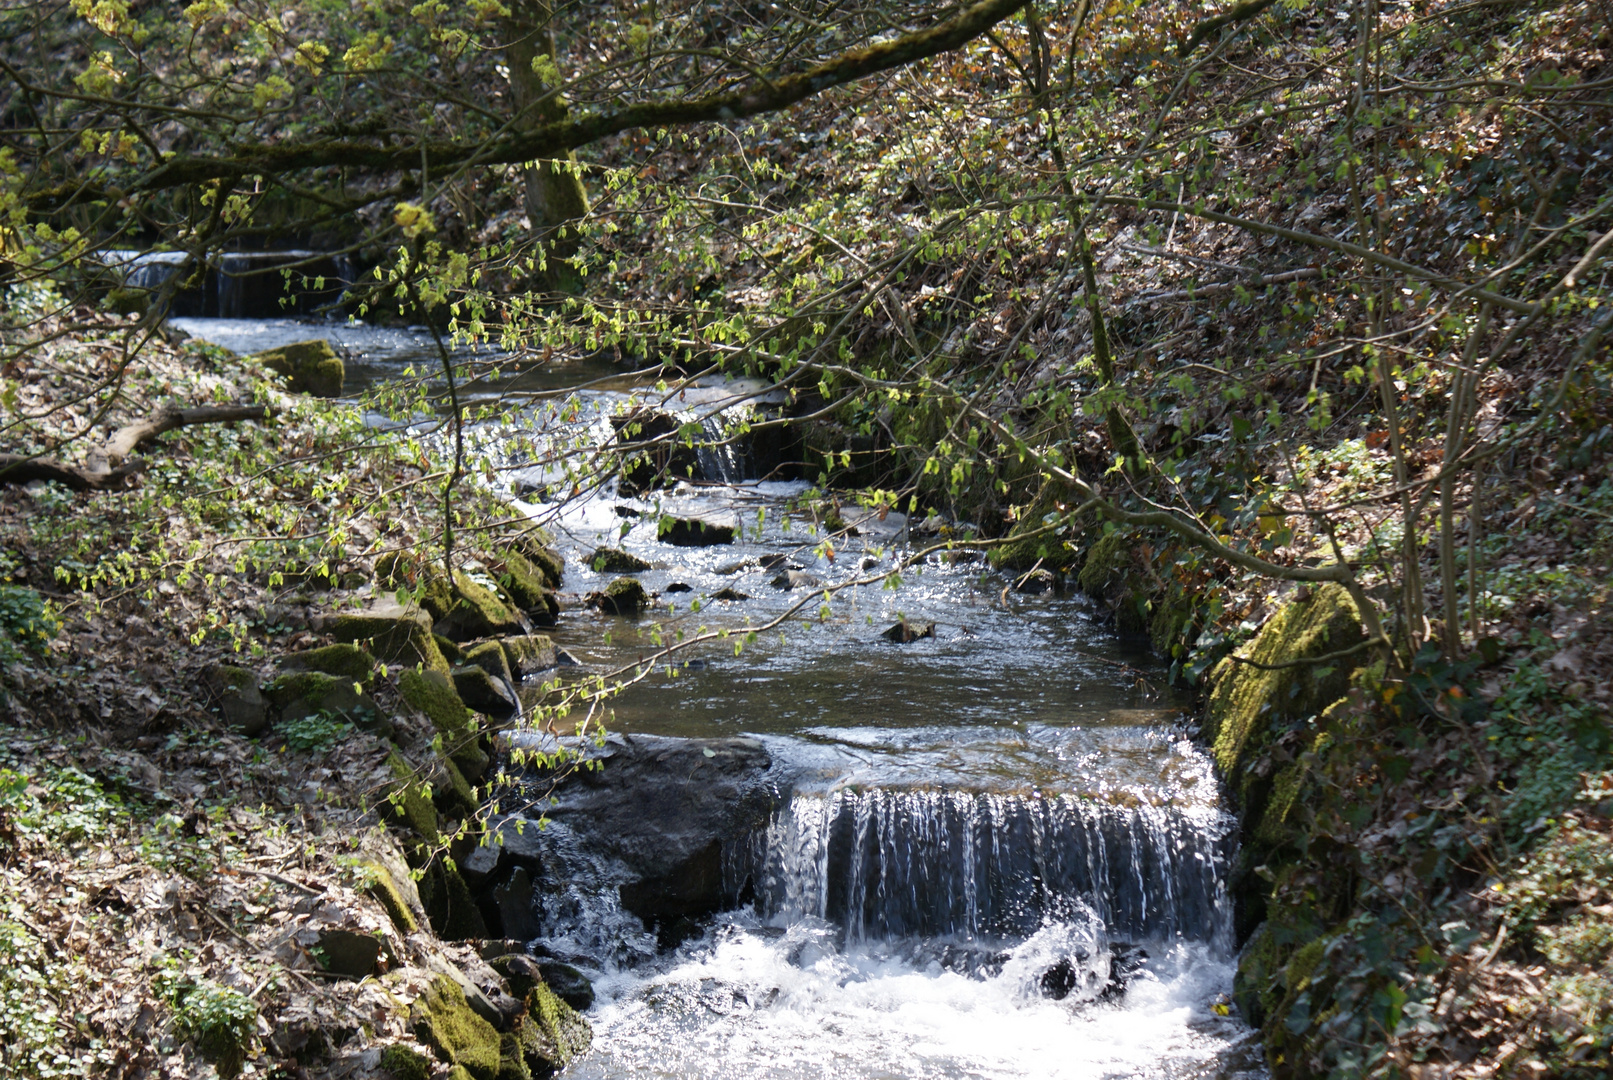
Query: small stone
point(678, 587)
point(729, 595)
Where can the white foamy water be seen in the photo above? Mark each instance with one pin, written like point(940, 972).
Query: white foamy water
point(751, 1002)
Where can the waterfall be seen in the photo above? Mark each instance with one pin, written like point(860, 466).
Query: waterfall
point(724, 457)
point(887, 864)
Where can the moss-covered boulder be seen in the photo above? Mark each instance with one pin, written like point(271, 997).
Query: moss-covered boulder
point(528, 654)
point(1248, 702)
point(523, 583)
point(434, 694)
point(480, 690)
point(553, 1034)
point(393, 633)
point(458, 793)
point(1027, 545)
point(240, 702)
point(624, 596)
point(538, 548)
point(309, 367)
point(345, 660)
point(491, 657)
point(450, 649)
point(405, 1063)
point(407, 799)
point(443, 1020)
point(475, 612)
point(609, 560)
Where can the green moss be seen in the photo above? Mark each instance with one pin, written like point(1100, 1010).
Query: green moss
point(309, 367)
point(405, 1063)
point(433, 693)
point(412, 805)
point(385, 891)
point(624, 596)
point(476, 612)
point(553, 1033)
point(459, 1072)
point(545, 559)
point(1022, 552)
point(400, 635)
point(1107, 561)
point(1247, 702)
point(346, 661)
point(444, 1021)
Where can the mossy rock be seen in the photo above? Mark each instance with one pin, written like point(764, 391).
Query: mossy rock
point(405, 1063)
point(462, 795)
point(443, 1020)
point(528, 654)
point(547, 561)
point(450, 649)
point(309, 367)
point(240, 701)
point(459, 1072)
point(624, 596)
point(345, 660)
point(394, 633)
point(512, 1058)
point(491, 658)
point(476, 613)
point(1109, 574)
point(609, 560)
point(450, 907)
point(478, 689)
point(385, 891)
point(523, 583)
point(433, 693)
point(552, 1032)
point(1246, 702)
point(412, 804)
point(1022, 552)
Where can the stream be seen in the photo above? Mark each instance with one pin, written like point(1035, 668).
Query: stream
point(996, 852)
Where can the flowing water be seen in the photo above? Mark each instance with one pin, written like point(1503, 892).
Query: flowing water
point(999, 855)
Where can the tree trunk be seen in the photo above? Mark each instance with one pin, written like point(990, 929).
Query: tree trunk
point(555, 197)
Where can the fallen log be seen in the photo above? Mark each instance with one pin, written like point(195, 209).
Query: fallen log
point(107, 467)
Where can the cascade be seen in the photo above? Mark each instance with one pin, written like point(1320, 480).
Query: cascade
point(886, 864)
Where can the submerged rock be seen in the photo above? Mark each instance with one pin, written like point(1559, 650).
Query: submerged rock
point(698, 530)
point(609, 560)
point(905, 631)
point(795, 579)
point(729, 595)
point(661, 812)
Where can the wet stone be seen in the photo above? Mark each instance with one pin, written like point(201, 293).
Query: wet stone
point(905, 631)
